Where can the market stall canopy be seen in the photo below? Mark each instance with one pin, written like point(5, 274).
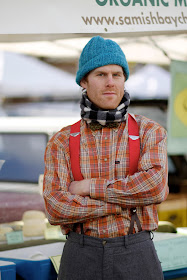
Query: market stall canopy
point(149, 83)
point(24, 76)
point(144, 49)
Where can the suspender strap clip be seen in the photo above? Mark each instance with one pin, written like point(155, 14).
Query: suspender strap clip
point(134, 218)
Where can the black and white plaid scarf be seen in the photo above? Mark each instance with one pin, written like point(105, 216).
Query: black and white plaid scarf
point(92, 114)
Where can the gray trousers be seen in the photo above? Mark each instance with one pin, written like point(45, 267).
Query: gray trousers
point(132, 257)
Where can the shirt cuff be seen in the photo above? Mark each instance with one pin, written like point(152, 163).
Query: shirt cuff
point(98, 188)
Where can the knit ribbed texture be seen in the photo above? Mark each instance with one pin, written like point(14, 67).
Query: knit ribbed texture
point(100, 52)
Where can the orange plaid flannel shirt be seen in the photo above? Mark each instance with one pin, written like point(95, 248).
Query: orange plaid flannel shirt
point(104, 157)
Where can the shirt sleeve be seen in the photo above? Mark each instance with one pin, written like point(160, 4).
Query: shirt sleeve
point(148, 185)
point(61, 206)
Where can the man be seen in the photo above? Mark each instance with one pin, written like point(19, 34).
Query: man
point(109, 214)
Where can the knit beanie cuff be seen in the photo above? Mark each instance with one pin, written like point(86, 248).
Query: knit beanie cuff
point(102, 60)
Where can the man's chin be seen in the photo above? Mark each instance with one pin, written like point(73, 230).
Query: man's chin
point(109, 107)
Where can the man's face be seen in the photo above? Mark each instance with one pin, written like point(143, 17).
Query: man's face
point(105, 86)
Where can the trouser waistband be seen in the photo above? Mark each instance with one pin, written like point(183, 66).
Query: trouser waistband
point(110, 242)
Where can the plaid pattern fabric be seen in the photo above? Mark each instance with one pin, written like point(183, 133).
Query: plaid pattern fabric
point(105, 158)
point(89, 112)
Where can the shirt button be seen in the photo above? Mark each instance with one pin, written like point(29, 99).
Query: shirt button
point(105, 159)
point(106, 138)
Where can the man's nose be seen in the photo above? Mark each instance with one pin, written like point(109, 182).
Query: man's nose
point(110, 80)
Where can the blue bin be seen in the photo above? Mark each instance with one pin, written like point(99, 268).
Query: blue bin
point(33, 263)
point(7, 270)
point(175, 274)
point(32, 269)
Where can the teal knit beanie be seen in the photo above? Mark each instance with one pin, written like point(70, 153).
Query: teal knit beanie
point(99, 52)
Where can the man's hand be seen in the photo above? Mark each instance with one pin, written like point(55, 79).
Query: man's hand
point(80, 187)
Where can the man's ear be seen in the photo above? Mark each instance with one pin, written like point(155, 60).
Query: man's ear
point(83, 83)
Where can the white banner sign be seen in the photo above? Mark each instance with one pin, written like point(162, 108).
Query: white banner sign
point(91, 16)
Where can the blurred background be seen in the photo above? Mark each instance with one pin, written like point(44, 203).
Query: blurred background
point(38, 96)
point(40, 44)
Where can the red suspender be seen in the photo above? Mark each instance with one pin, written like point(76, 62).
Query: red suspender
point(134, 147)
point(134, 144)
point(74, 148)
point(134, 154)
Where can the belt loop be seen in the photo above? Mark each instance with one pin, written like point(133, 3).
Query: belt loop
point(152, 235)
point(67, 235)
point(126, 241)
point(82, 229)
point(82, 240)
